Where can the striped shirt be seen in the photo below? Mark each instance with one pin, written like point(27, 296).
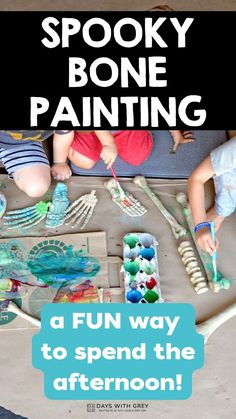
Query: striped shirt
point(12, 139)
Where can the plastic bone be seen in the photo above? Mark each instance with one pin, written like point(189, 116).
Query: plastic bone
point(197, 277)
point(177, 229)
point(13, 308)
point(26, 218)
point(127, 202)
point(211, 325)
point(58, 207)
point(204, 256)
point(81, 210)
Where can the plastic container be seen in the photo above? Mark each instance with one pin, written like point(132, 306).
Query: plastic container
point(140, 268)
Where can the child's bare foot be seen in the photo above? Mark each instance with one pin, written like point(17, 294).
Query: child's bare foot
point(213, 216)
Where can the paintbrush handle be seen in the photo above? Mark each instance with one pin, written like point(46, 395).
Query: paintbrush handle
point(122, 194)
point(213, 234)
point(114, 174)
point(214, 255)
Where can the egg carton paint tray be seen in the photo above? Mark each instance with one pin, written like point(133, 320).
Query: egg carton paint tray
point(140, 269)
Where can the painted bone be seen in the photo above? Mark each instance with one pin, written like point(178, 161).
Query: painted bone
point(177, 229)
point(208, 327)
point(13, 308)
point(204, 256)
point(26, 218)
point(193, 268)
point(134, 207)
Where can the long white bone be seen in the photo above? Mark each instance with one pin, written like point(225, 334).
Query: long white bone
point(204, 256)
point(13, 308)
point(213, 323)
point(177, 229)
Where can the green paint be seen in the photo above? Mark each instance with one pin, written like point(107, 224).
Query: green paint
point(224, 282)
point(132, 267)
point(151, 296)
point(131, 240)
point(42, 207)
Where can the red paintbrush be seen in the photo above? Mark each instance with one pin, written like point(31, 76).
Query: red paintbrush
point(124, 199)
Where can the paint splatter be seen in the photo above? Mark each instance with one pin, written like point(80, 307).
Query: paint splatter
point(57, 269)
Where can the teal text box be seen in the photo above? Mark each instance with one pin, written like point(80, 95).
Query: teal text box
point(116, 359)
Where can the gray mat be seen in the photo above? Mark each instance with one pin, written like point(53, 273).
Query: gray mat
point(6, 414)
point(162, 164)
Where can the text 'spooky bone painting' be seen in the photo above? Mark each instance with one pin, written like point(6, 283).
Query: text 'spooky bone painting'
point(36, 271)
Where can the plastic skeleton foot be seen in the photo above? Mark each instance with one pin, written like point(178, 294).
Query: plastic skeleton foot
point(26, 218)
point(134, 209)
point(81, 210)
point(57, 210)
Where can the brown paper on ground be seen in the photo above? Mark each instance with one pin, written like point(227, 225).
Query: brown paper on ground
point(93, 244)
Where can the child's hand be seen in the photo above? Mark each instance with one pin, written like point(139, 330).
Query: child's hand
point(205, 240)
point(60, 171)
point(181, 137)
point(109, 154)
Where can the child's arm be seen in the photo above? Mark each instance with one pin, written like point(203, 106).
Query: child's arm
point(109, 150)
point(196, 194)
point(61, 145)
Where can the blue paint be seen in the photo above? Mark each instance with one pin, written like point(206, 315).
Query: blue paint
point(134, 296)
point(12, 261)
point(147, 253)
point(59, 269)
point(57, 210)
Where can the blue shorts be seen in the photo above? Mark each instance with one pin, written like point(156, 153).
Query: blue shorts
point(26, 154)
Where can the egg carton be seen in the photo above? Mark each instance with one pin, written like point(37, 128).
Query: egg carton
point(140, 269)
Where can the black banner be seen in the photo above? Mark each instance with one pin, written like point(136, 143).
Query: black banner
point(125, 70)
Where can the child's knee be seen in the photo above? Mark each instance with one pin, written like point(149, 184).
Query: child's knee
point(37, 189)
point(34, 183)
point(89, 164)
point(80, 161)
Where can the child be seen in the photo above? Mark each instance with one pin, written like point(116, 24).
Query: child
point(221, 165)
point(133, 146)
point(21, 151)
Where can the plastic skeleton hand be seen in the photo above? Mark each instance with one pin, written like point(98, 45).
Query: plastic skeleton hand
point(81, 210)
point(26, 218)
point(126, 201)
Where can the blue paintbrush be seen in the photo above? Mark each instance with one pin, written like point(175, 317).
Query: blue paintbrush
point(214, 256)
